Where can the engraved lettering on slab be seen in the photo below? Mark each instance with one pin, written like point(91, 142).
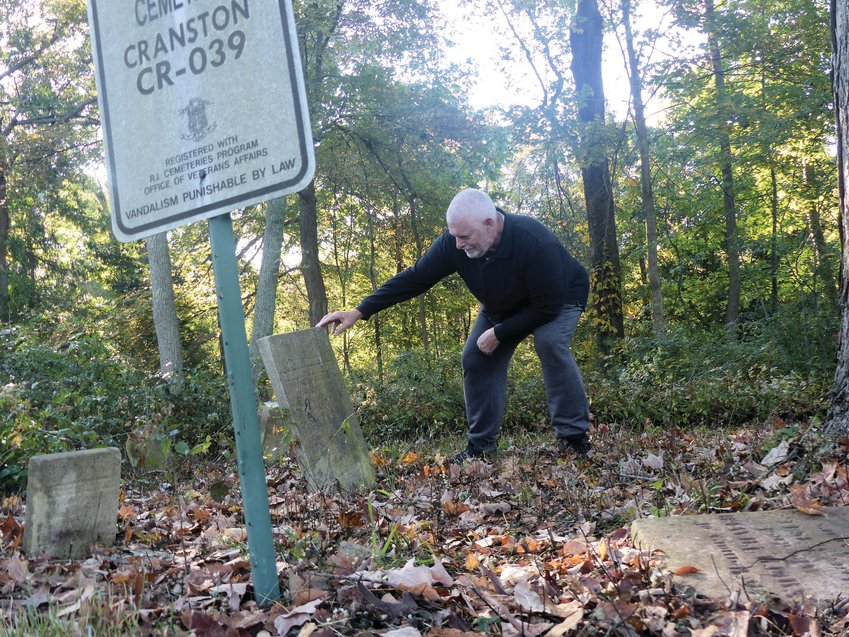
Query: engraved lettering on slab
point(767, 553)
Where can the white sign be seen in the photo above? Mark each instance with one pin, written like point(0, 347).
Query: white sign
point(202, 105)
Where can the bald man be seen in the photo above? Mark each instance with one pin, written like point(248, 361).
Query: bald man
point(526, 283)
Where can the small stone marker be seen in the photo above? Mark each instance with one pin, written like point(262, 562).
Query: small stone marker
point(305, 376)
point(785, 553)
point(72, 502)
point(273, 429)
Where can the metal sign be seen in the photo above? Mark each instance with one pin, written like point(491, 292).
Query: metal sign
point(203, 108)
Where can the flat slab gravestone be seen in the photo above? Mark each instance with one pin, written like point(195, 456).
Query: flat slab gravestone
point(785, 553)
point(305, 376)
point(72, 502)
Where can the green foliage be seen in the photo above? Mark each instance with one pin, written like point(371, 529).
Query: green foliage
point(102, 612)
point(71, 391)
point(781, 366)
point(418, 399)
point(104, 622)
point(396, 139)
point(48, 111)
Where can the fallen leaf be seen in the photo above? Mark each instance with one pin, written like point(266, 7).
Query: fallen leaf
point(440, 575)
point(455, 508)
point(298, 616)
point(804, 625)
point(415, 579)
point(573, 547)
point(708, 631)
point(687, 570)
point(309, 607)
point(734, 624)
point(801, 499)
point(406, 631)
point(570, 623)
point(239, 534)
point(601, 550)
point(305, 595)
point(11, 503)
point(566, 609)
point(11, 530)
point(307, 629)
point(389, 604)
point(203, 624)
point(234, 593)
point(777, 454)
point(17, 569)
point(774, 481)
point(528, 599)
point(126, 512)
point(653, 462)
point(39, 597)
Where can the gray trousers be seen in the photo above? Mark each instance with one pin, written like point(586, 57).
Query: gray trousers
point(485, 379)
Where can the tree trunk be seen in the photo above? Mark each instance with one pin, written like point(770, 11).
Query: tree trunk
point(822, 264)
point(646, 191)
point(372, 275)
point(310, 262)
point(732, 310)
point(837, 421)
point(164, 309)
point(411, 200)
point(341, 249)
point(4, 247)
point(773, 259)
point(586, 40)
point(266, 285)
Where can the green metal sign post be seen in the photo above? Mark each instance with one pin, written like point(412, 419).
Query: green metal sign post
point(213, 123)
point(243, 404)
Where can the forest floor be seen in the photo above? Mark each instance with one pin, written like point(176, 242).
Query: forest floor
point(531, 544)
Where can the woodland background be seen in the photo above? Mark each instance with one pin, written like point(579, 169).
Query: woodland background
point(710, 225)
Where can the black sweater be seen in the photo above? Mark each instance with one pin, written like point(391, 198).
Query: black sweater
point(521, 284)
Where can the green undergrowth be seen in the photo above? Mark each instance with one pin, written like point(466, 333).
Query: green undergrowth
point(66, 389)
point(775, 368)
point(65, 386)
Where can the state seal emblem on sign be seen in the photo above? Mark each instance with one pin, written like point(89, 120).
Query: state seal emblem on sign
point(198, 121)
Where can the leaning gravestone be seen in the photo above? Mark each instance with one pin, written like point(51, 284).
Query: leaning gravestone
point(72, 502)
point(785, 553)
point(305, 376)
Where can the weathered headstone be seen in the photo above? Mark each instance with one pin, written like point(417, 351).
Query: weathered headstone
point(305, 376)
point(785, 553)
point(273, 429)
point(72, 502)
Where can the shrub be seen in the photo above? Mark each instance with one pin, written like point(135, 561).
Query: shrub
point(75, 393)
point(418, 398)
point(781, 366)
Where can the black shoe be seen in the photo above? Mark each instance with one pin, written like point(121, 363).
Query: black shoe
point(470, 453)
point(578, 444)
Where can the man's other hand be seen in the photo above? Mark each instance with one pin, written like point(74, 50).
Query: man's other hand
point(340, 321)
point(487, 342)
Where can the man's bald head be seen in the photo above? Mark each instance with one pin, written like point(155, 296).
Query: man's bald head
point(472, 205)
point(474, 222)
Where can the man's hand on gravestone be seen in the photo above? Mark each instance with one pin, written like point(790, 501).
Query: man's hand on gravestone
point(340, 321)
